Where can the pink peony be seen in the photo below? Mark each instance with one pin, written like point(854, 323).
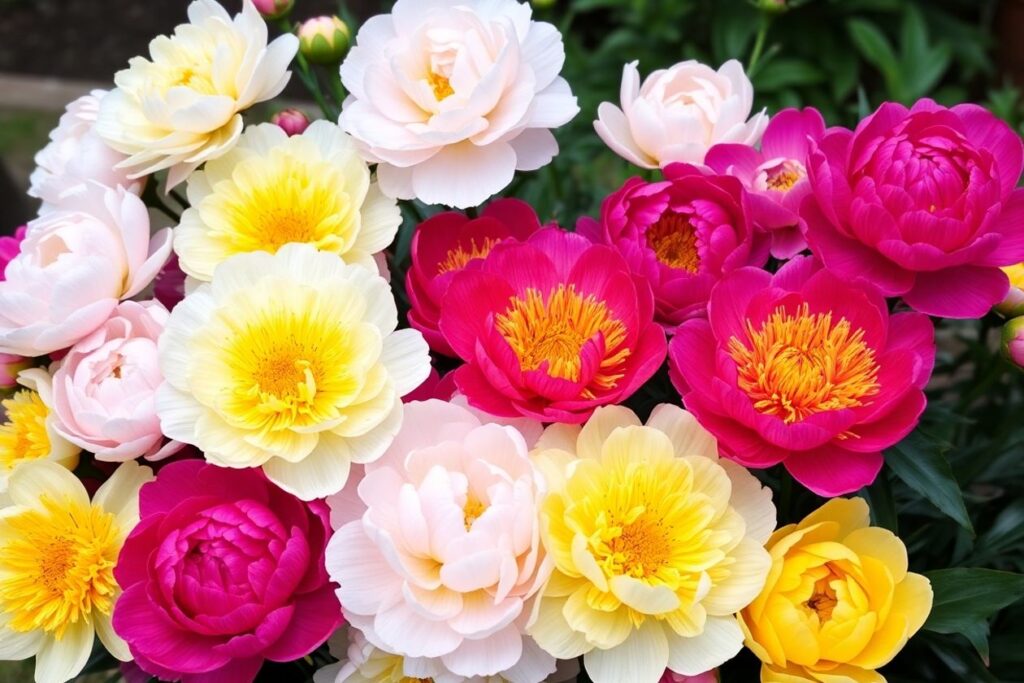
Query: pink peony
point(551, 328)
point(437, 551)
point(223, 571)
point(75, 265)
point(777, 175)
point(105, 389)
point(10, 366)
point(450, 99)
point(448, 242)
point(9, 248)
point(805, 369)
point(922, 204)
point(681, 234)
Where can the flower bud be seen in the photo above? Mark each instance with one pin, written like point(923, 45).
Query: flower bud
point(274, 9)
point(772, 6)
point(543, 4)
point(1013, 305)
point(10, 366)
point(706, 677)
point(291, 121)
point(1013, 341)
point(324, 40)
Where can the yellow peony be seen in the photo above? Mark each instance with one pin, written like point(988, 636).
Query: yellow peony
point(839, 602)
point(656, 545)
point(290, 362)
point(180, 107)
point(271, 189)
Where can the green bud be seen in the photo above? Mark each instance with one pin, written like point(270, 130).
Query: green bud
point(324, 40)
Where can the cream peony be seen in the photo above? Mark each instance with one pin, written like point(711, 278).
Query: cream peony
point(104, 391)
point(452, 98)
point(678, 113)
point(181, 107)
point(74, 266)
point(437, 552)
point(76, 155)
point(272, 189)
point(290, 362)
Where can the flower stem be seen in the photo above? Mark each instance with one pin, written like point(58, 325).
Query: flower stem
point(762, 35)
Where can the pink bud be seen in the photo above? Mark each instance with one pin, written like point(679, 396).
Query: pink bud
point(706, 677)
point(291, 121)
point(274, 9)
point(10, 366)
point(9, 248)
point(1013, 341)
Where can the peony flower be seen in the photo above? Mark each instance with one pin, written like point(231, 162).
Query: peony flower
point(805, 369)
point(291, 121)
point(1013, 304)
point(10, 246)
point(839, 602)
point(1013, 341)
point(104, 392)
point(169, 285)
point(76, 155)
point(57, 558)
point(75, 265)
point(551, 328)
point(437, 551)
point(656, 544)
point(678, 113)
point(681, 234)
point(450, 99)
point(446, 243)
point(181, 107)
point(291, 362)
point(777, 175)
point(922, 203)
point(30, 431)
point(362, 662)
point(224, 571)
point(272, 189)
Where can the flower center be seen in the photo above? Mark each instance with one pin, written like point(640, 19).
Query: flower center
point(441, 86)
point(823, 597)
point(23, 437)
point(552, 331)
point(457, 258)
point(58, 566)
point(472, 510)
point(674, 241)
point(197, 79)
point(782, 176)
point(795, 366)
point(644, 546)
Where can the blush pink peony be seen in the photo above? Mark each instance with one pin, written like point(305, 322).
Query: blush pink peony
point(225, 570)
point(450, 98)
point(437, 551)
point(104, 391)
point(922, 203)
point(75, 265)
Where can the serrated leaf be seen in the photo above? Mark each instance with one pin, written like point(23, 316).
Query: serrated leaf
point(918, 461)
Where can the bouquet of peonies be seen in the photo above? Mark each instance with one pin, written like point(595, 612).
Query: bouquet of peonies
point(224, 448)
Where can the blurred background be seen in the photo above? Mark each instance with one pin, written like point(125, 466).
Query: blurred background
point(844, 57)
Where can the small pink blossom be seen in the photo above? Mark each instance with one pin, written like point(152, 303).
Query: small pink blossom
point(291, 121)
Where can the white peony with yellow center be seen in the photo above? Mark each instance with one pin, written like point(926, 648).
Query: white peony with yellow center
point(180, 107)
point(28, 427)
point(272, 189)
point(291, 362)
point(657, 543)
point(58, 551)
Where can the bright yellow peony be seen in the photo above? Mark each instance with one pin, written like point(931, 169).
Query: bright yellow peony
point(656, 545)
point(839, 602)
point(271, 189)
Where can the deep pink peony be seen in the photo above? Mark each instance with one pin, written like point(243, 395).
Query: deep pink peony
point(9, 248)
point(681, 234)
point(921, 203)
point(551, 328)
point(446, 243)
point(223, 571)
point(776, 176)
point(805, 369)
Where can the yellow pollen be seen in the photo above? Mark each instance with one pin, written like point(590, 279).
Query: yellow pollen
point(457, 258)
point(57, 566)
point(674, 242)
point(795, 366)
point(644, 546)
point(472, 510)
point(785, 175)
point(23, 437)
point(553, 331)
point(441, 86)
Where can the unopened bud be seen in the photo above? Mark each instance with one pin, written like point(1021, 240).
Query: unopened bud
point(774, 6)
point(291, 121)
point(274, 9)
point(1013, 341)
point(324, 40)
point(10, 366)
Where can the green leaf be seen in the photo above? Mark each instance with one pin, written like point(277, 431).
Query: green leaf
point(913, 36)
point(788, 73)
point(919, 462)
point(876, 49)
point(965, 598)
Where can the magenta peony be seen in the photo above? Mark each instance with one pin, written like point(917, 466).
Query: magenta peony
point(922, 204)
point(223, 571)
point(681, 234)
point(805, 369)
point(10, 245)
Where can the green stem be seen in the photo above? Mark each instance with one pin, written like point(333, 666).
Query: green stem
point(762, 35)
point(307, 76)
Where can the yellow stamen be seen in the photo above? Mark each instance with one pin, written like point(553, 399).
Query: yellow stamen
point(783, 177)
point(458, 257)
point(674, 241)
point(553, 330)
point(795, 366)
point(441, 86)
point(472, 510)
point(23, 437)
